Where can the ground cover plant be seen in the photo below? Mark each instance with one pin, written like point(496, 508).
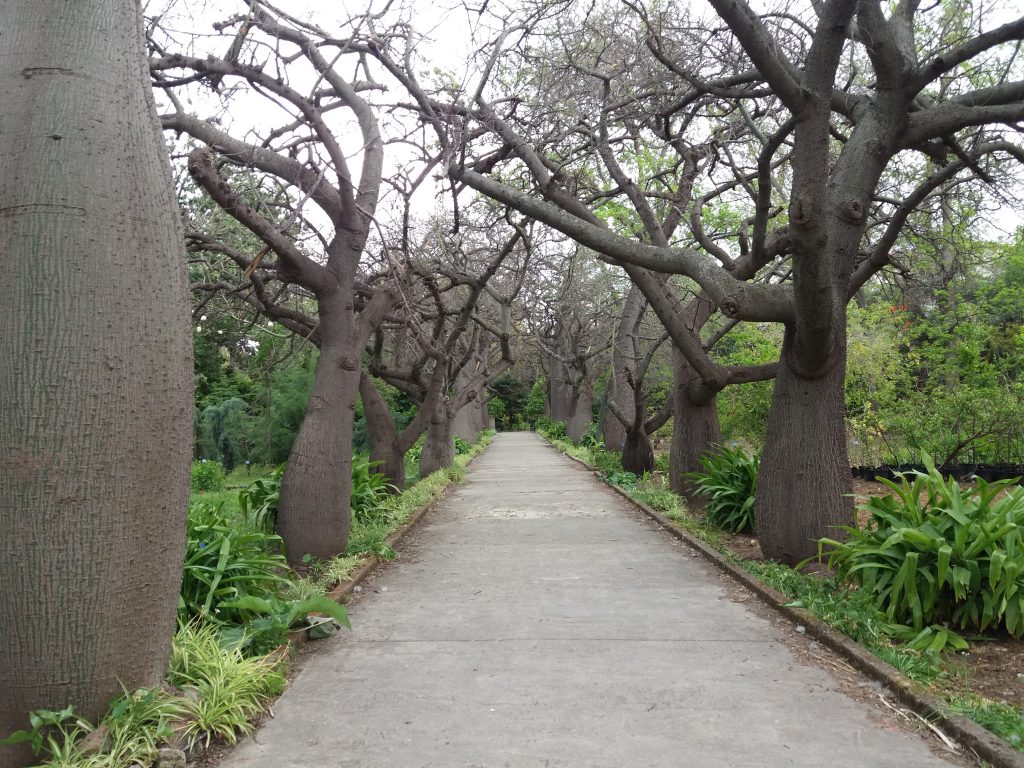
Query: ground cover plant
point(729, 485)
point(927, 654)
point(934, 554)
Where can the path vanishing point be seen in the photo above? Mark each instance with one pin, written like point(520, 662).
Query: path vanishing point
point(535, 618)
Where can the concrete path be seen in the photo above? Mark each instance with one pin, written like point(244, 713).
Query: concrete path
point(536, 619)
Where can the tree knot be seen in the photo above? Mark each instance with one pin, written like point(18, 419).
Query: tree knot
point(852, 210)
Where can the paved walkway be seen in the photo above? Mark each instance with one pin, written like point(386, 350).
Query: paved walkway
point(536, 619)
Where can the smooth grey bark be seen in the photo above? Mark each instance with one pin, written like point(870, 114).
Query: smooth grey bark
point(581, 413)
point(384, 438)
point(695, 429)
point(95, 362)
point(439, 447)
point(613, 429)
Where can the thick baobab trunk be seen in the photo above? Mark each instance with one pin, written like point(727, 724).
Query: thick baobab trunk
point(439, 447)
point(95, 365)
point(467, 422)
point(313, 514)
point(804, 477)
point(559, 395)
point(384, 437)
point(637, 453)
point(581, 413)
point(624, 354)
point(695, 428)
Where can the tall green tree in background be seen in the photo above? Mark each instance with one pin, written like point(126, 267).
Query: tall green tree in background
point(95, 364)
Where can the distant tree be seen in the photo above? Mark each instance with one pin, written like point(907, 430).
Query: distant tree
point(304, 161)
point(845, 115)
point(95, 365)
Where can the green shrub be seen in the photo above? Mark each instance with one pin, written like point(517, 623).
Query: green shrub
point(258, 502)
point(207, 476)
point(933, 553)
point(551, 429)
point(224, 562)
point(728, 482)
point(462, 446)
point(275, 616)
point(369, 489)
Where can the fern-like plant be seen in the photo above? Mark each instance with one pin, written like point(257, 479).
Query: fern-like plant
point(933, 553)
point(728, 483)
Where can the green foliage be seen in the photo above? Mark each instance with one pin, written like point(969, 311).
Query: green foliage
point(225, 562)
point(621, 478)
point(223, 431)
point(743, 411)
point(281, 409)
point(534, 409)
point(129, 734)
point(207, 476)
point(274, 617)
point(51, 733)
point(658, 497)
point(939, 371)
point(729, 483)
point(229, 689)
point(258, 502)
point(933, 553)
point(551, 429)
point(137, 723)
point(369, 489)
point(590, 439)
point(462, 446)
point(370, 537)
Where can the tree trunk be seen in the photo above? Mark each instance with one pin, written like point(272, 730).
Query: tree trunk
point(637, 453)
point(559, 395)
point(695, 428)
point(805, 474)
point(314, 514)
point(466, 423)
point(439, 447)
point(581, 413)
point(95, 365)
point(624, 353)
point(384, 436)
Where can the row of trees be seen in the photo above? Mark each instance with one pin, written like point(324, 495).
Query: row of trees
point(651, 208)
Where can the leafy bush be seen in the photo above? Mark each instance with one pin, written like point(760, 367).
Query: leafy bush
point(275, 616)
point(728, 482)
point(369, 489)
point(551, 429)
point(462, 446)
point(621, 478)
point(258, 502)
point(933, 553)
point(224, 562)
point(207, 476)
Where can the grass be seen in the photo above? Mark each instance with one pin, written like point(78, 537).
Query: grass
point(234, 481)
point(850, 612)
